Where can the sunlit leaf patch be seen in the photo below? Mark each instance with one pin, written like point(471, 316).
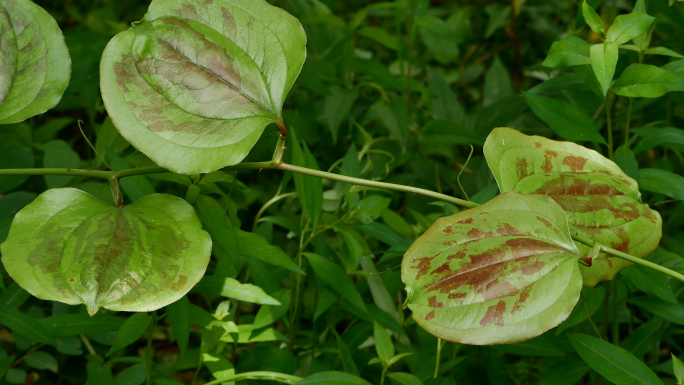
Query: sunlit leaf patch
point(503, 272)
point(68, 246)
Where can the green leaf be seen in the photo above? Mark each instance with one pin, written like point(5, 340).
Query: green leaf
point(613, 363)
point(678, 368)
point(626, 159)
point(567, 52)
point(662, 181)
point(246, 292)
point(178, 314)
point(225, 242)
point(604, 58)
point(650, 281)
point(333, 378)
point(445, 104)
point(565, 373)
point(593, 19)
point(600, 201)
point(14, 158)
point(192, 86)
point(663, 51)
point(644, 338)
point(627, 27)
point(668, 137)
point(133, 375)
point(309, 188)
point(70, 247)
point(497, 83)
point(218, 365)
point(333, 275)
point(502, 272)
point(405, 378)
point(255, 246)
point(395, 118)
point(439, 38)
point(381, 36)
point(24, 325)
point(58, 154)
point(383, 343)
point(75, 324)
point(647, 81)
point(563, 118)
point(337, 107)
point(131, 330)
point(42, 360)
point(347, 359)
point(673, 312)
point(35, 66)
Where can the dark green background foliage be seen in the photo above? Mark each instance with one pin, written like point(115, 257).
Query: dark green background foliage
point(355, 111)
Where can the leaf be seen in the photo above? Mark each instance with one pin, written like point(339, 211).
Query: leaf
point(225, 242)
point(627, 27)
point(395, 118)
point(565, 373)
point(651, 282)
point(563, 118)
point(333, 378)
point(673, 312)
point(70, 247)
point(613, 363)
point(502, 272)
point(178, 314)
point(445, 104)
point(42, 360)
point(75, 324)
point(193, 85)
point(246, 292)
point(218, 365)
point(626, 159)
point(58, 154)
point(133, 375)
point(347, 359)
point(405, 378)
point(309, 188)
point(131, 330)
point(644, 338)
point(668, 137)
point(333, 275)
point(663, 51)
point(662, 181)
point(24, 325)
point(383, 343)
point(604, 59)
point(678, 368)
point(647, 81)
point(497, 83)
point(35, 66)
point(593, 19)
point(600, 201)
point(255, 246)
point(14, 158)
point(567, 52)
point(337, 107)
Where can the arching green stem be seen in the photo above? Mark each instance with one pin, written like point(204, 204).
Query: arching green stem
point(273, 376)
point(631, 258)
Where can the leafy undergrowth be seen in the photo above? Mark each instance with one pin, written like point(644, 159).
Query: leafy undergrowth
point(304, 281)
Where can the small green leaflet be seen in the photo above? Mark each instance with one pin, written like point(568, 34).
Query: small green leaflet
point(35, 66)
point(70, 247)
point(502, 272)
point(600, 201)
point(194, 84)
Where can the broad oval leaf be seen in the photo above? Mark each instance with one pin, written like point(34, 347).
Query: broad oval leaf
point(600, 201)
point(194, 84)
point(502, 272)
point(35, 66)
point(70, 247)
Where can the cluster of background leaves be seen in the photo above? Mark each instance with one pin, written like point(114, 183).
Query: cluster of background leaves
point(396, 91)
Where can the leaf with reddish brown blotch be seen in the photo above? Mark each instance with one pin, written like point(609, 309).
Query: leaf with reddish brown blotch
point(601, 201)
point(503, 272)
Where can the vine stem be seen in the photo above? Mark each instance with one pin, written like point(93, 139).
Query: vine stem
point(280, 377)
point(631, 258)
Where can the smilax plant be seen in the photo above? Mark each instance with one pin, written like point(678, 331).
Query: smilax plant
point(194, 84)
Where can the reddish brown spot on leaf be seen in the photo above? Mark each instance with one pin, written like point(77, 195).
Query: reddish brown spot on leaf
point(430, 315)
point(498, 289)
point(523, 297)
point(521, 167)
point(575, 163)
point(534, 268)
point(71, 280)
point(567, 184)
point(537, 144)
point(432, 302)
point(507, 230)
point(494, 314)
point(466, 221)
point(457, 295)
point(478, 234)
point(547, 166)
